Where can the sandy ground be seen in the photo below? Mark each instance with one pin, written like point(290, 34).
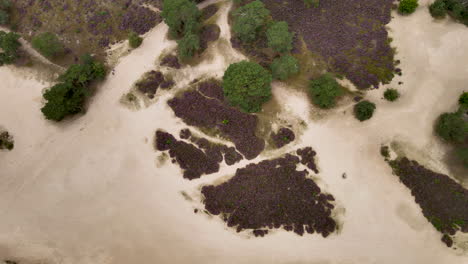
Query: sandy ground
point(89, 190)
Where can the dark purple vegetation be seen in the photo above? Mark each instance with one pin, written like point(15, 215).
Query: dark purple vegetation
point(151, 82)
point(198, 110)
point(443, 201)
point(209, 33)
point(283, 137)
point(209, 11)
point(272, 194)
point(170, 61)
point(351, 35)
point(308, 158)
point(139, 19)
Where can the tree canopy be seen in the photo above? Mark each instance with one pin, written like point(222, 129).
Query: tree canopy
point(68, 97)
point(325, 90)
point(247, 85)
point(181, 16)
point(188, 46)
point(48, 45)
point(279, 37)
point(285, 66)
point(249, 20)
point(9, 44)
point(438, 9)
point(452, 127)
point(364, 110)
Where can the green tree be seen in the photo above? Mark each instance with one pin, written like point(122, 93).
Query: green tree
point(364, 110)
point(134, 40)
point(188, 46)
point(438, 9)
point(48, 45)
point(284, 66)
point(181, 16)
point(279, 37)
point(325, 90)
point(391, 94)
point(407, 6)
point(249, 20)
point(9, 44)
point(247, 85)
point(452, 127)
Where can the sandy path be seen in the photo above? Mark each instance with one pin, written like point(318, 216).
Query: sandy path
point(89, 191)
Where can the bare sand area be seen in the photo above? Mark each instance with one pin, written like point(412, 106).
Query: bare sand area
point(91, 189)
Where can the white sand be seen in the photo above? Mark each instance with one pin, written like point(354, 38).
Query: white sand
point(88, 190)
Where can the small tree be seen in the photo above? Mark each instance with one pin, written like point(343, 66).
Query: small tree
point(407, 6)
point(181, 16)
point(188, 46)
point(279, 37)
point(9, 43)
point(451, 127)
point(284, 66)
point(48, 45)
point(364, 110)
point(325, 90)
point(249, 20)
point(247, 85)
point(438, 9)
point(134, 40)
point(391, 94)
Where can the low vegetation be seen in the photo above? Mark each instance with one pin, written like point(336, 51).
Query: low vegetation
point(284, 67)
point(69, 95)
point(48, 44)
point(5, 12)
point(9, 47)
point(453, 129)
point(457, 9)
point(134, 40)
point(6, 141)
point(324, 91)
point(407, 6)
point(391, 94)
point(364, 110)
point(247, 85)
point(314, 3)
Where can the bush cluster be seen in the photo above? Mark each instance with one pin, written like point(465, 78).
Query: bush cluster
point(69, 95)
point(458, 9)
point(247, 85)
point(9, 46)
point(407, 6)
point(134, 40)
point(324, 91)
point(182, 18)
point(364, 110)
point(48, 45)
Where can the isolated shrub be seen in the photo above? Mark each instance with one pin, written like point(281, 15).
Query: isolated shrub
point(438, 9)
point(391, 94)
point(325, 90)
point(247, 85)
point(9, 45)
point(463, 100)
point(364, 110)
point(6, 141)
point(279, 37)
point(452, 127)
point(69, 96)
point(249, 20)
point(407, 6)
point(188, 46)
point(181, 16)
point(48, 45)
point(285, 66)
point(134, 40)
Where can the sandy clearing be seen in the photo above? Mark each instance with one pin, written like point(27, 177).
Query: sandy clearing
point(89, 191)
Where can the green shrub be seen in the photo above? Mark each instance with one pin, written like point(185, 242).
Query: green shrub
point(134, 40)
point(48, 45)
point(407, 6)
point(385, 151)
point(463, 100)
point(9, 45)
point(285, 66)
point(310, 3)
point(247, 85)
point(462, 154)
point(325, 90)
point(69, 96)
point(364, 110)
point(188, 46)
point(181, 16)
point(391, 94)
point(249, 20)
point(438, 9)
point(452, 127)
point(6, 141)
point(279, 37)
